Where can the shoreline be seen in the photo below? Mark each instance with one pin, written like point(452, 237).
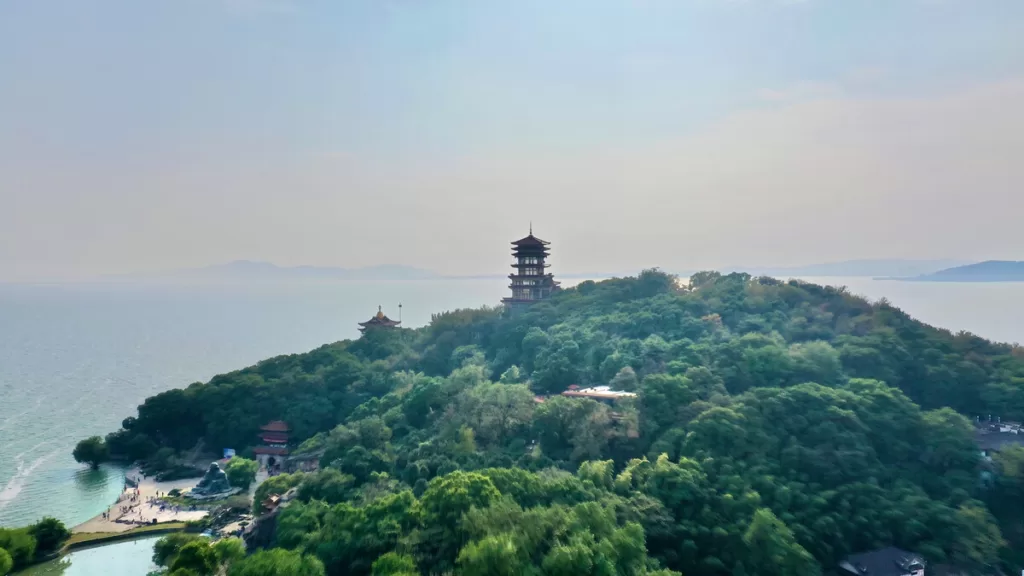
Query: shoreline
point(86, 540)
point(134, 507)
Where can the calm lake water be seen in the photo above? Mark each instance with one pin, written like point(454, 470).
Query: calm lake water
point(132, 558)
point(75, 360)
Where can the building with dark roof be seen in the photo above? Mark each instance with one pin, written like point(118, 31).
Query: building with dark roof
point(378, 321)
point(530, 282)
point(889, 561)
point(994, 441)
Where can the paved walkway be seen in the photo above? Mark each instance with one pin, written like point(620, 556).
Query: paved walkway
point(133, 507)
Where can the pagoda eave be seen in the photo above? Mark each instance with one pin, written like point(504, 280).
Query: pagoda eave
point(519, 300)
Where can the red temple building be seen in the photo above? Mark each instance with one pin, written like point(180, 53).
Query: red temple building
point(378, 321)
point(530, 281)
point(274, 450)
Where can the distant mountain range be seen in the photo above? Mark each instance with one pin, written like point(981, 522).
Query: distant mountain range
point(873, 268)
point(250, 271)
point(988, 271)
point(891, 269)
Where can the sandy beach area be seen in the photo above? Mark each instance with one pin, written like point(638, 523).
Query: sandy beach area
point(133, 507)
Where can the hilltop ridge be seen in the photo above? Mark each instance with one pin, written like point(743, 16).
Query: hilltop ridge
point(758, 409)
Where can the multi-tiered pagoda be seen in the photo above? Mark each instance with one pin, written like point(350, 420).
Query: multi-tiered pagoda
point(274, 450)
point(530, 281)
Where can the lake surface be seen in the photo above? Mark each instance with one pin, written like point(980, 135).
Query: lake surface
point(993, 310)
point(76, 359)
point(132, 558)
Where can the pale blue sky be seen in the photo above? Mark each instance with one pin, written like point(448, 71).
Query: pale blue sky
point(141, 135)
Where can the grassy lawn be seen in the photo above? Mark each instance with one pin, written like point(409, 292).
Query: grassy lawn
point(89, 538)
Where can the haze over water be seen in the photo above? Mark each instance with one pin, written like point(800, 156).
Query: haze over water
point(76, 359)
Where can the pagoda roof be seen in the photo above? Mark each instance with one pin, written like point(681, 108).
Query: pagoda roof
point(531, 241)
point(275, 426)
point(379, 319)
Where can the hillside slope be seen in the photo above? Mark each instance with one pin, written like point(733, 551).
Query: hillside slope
point(777, 427)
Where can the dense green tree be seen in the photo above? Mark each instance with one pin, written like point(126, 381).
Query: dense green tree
point(773, 549)
point(492, 556)
point(167, 548)
point(449, 497)
point(328, 485)
point(495, 411)
point(625, 380)
point(197, 557)
point(277, 562)
point(92, 451)
point(229, 550)
point(392, 564)
point(6, 562)
point(980, 540)
point(50, 535)
point(771, 417)
point(19, 544)
point(241, 472)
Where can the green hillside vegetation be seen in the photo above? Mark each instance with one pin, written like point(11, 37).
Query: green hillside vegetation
point(21, 547)
point(777, 428)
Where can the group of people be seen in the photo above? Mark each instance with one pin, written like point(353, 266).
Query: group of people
point(132, 497)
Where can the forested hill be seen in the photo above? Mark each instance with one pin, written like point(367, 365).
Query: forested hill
point(777, 428)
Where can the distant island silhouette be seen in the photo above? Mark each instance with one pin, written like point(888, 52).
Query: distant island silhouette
point(988, 271)
point(256, 271)
point(882, 269)
point(874, 268)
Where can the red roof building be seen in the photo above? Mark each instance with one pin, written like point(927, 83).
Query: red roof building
point(275, 443)
point(275, 433)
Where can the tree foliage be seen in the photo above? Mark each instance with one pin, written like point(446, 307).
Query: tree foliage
point(6, 562)
point(23, 546)
point(777, 428)
point(241, 472)
point(92, 451)
point(277, 562)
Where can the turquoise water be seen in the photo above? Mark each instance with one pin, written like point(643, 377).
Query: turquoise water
point(75, 360)
point(132, 558)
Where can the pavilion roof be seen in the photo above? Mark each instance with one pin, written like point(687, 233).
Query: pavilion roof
point(530, 240)
point(379, 319)
point(275, 426)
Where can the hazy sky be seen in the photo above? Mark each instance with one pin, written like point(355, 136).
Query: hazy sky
point(681, 133)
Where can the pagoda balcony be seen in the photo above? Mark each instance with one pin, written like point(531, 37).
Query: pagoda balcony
point(522, 280)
